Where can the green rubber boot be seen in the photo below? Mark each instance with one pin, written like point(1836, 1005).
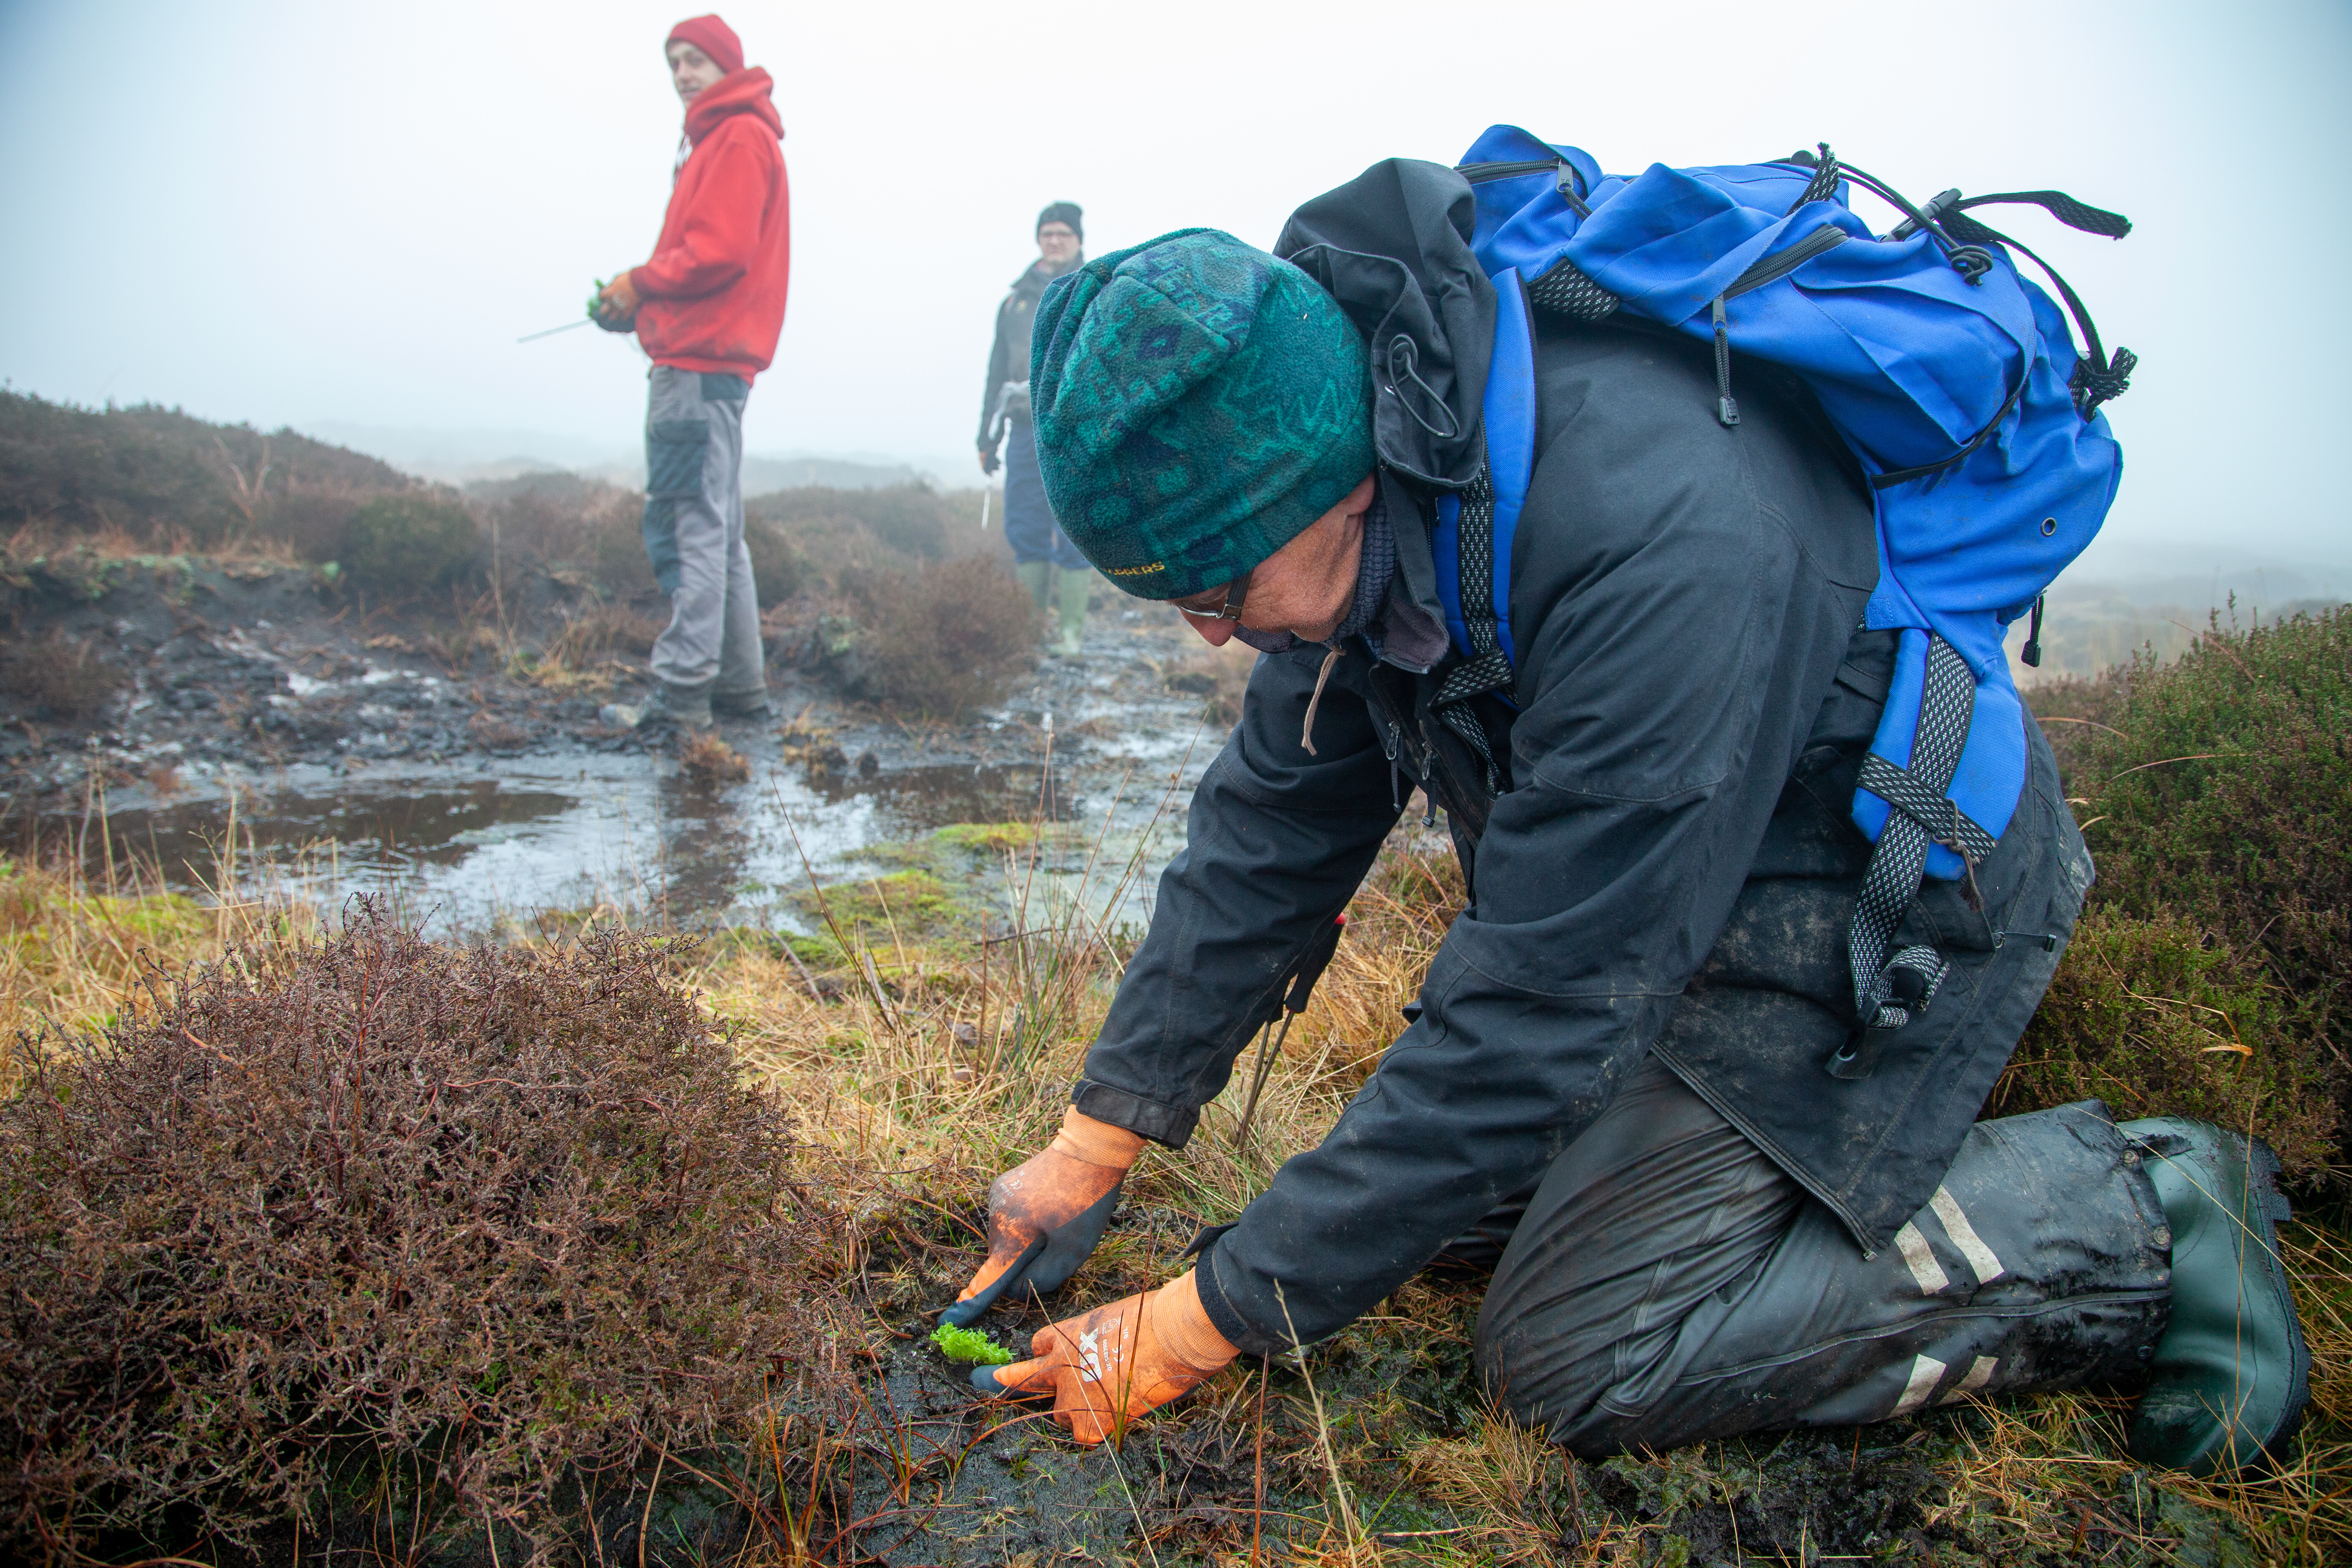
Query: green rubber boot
point(1037, 576)
point(2229, 1377)
point(1070, 602)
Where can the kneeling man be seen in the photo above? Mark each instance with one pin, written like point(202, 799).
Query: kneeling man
point(1614, 1094)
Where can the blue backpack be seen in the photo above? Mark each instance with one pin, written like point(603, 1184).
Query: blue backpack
point(1953, 380)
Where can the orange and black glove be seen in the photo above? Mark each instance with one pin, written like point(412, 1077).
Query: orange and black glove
point(615, 308)
point(1108, 1366)
point(1045, 1214)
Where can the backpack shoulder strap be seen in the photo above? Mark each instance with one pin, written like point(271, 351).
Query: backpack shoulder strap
point(1471, 545)
point(1477, 527)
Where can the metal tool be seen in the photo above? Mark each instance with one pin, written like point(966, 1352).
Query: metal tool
point(534, 337)
point(1311, 965)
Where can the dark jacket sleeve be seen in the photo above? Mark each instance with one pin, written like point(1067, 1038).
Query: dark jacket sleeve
point(1276, 841)
point(999, 355)
point(1676, 638)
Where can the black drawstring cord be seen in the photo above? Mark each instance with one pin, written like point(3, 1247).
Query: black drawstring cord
point(1401, 349)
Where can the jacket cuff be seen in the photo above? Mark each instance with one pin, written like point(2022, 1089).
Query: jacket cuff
point(1165, 1124)
point(1238, 1333)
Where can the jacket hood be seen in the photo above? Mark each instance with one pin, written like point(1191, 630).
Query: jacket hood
point(1392, 246)
point(737, 92)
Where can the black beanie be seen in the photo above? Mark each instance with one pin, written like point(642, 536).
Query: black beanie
point(1065, 212)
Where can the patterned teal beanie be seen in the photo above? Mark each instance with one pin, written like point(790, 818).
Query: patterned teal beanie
point(1197, 404)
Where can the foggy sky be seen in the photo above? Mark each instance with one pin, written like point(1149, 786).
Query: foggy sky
point(297, 214)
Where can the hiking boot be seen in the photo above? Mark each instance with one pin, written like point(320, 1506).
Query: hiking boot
point(2229, 1380)
point(749, 704)
point(686, 707)
point(1070, 604)
point(1037, 577)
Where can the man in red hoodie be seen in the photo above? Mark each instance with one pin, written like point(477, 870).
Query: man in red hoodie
point(707, 310)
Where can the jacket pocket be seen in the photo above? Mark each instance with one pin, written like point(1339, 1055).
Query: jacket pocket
point(674, 450)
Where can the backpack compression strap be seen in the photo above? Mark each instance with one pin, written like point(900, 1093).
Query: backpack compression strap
point(1890, 990)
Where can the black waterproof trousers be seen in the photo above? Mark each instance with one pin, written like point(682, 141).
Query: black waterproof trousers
point(1668, 1283)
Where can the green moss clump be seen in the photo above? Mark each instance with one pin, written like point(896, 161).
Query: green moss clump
point(970, 1344)
point(912, 901)
point(991, 837)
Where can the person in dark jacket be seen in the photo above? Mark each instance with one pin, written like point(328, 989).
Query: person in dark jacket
point(1614, 1092)
point(1053, 569)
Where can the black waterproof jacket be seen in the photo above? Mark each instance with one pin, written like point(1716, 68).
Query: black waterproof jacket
point(1670, 867)
point(1008, 354)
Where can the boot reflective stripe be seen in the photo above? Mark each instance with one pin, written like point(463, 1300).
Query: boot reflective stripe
point(1925, 1373)
point(1980, 1372)
point(1924, 1266)
point(1964, 1236)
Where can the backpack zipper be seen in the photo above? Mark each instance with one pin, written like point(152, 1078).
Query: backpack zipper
point(1773, 268)
point(1567, 181)
point(1486, 174)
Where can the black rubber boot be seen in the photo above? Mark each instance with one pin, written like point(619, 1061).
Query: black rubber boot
point(2229, 1377)
point(748, 704)
point(686, 707)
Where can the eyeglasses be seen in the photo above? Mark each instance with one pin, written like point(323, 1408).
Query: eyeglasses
point(1217, 604)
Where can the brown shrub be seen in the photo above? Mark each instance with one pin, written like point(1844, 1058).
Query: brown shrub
point(566, 522)
point(405, 543)
point(777, 570)
point(65, 675)
point(478, 1219)
point(162, 475)
point(710, 761)
point(950, 636)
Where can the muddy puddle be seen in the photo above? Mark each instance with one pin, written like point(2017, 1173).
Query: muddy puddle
point(467, 845)
point(464, 849)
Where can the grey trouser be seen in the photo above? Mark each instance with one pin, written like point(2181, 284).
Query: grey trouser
point(694, 533)
point(1668, 1283)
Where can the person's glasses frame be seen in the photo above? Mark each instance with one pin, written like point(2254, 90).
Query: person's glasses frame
point(1236, 592)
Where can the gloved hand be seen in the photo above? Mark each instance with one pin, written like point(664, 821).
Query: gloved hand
point(1045, 1214)
point(988, 464)
point(615, 308)
point(1108, 1366)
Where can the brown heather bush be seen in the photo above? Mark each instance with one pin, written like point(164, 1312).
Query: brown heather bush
point(777, 570)
point(949, 637)
point(163, 476)
point(66, 676)
point(484, 1220)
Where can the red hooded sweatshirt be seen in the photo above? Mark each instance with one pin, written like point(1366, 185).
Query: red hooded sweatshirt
point(713, 295)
